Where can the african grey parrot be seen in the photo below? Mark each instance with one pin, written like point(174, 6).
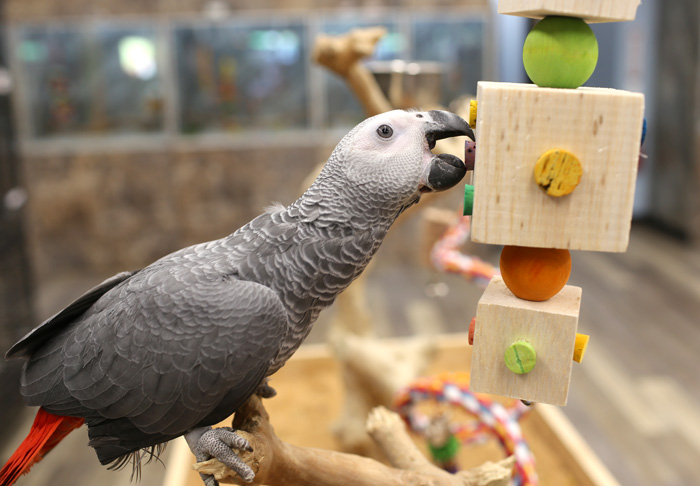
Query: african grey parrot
point(169, 350)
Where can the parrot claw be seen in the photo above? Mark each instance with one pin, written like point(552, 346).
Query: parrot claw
point(218, 444)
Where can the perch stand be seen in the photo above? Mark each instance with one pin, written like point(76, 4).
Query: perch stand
point(277, 463)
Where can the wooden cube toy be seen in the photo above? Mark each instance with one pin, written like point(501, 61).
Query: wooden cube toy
point(516, 125)
point(549, 327)
point(589, 10)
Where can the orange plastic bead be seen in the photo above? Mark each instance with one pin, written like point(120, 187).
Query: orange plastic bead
point(535, 273)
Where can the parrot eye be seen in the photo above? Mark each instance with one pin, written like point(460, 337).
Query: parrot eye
point(385, 131)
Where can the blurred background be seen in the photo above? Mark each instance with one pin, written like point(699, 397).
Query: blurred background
point(129, 129)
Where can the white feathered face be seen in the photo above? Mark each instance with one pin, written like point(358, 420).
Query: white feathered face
point(390, 154)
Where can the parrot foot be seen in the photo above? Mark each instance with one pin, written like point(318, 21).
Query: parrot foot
point(265, 391)
point(218, 444)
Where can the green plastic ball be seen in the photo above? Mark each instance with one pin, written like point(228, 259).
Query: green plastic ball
point(560, 52)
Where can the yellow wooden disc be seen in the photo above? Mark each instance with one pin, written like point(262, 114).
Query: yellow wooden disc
point(580, 347)
point(558, 172)
point(472, 113)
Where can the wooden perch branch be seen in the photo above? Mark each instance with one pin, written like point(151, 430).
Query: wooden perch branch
point(342, 55)
point(277, 463)
point(373, 371)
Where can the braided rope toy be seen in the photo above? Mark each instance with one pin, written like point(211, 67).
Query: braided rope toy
point(446, 257)
point(493, 418)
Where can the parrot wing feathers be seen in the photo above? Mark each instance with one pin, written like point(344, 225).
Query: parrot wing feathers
point(25, 346)
point(160, 355)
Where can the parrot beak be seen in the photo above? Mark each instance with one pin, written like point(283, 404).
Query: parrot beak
point(445, 125)
point(445, 170)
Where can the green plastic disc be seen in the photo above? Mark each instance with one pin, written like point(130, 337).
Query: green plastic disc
point(520, 357)
point(468, 200)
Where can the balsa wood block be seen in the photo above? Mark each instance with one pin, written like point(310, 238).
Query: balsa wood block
point(516, 124)
point(589, 10)
point(550, 326)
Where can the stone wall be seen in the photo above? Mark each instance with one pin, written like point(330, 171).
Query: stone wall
point(109, 212)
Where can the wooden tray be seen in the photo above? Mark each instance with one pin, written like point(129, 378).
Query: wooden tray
point(309, 398)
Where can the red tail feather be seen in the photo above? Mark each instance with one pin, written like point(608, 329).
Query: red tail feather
point(47, 431)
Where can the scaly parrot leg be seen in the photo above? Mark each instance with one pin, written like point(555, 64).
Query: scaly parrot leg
point(207, 443)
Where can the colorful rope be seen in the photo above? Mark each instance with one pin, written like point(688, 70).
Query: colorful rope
point(446, 256)
point(493, 418)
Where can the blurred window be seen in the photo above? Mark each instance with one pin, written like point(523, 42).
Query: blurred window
point(237, 75)
point(55, 66)
point(79, 81)
point(132, 86)
point(458, 44)
point(242, 77)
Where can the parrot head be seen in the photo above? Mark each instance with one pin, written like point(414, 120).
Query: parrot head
point(389, 156)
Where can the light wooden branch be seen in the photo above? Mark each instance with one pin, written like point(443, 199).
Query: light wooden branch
point(342, 55)
point(277, 463)
point(373, 371)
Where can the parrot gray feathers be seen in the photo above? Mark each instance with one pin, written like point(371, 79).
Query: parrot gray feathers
point(147, 356)
point(155, 357)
